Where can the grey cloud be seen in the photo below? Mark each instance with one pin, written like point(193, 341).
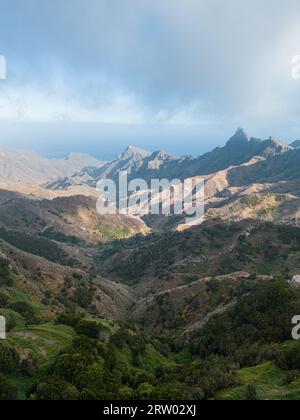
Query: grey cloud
point(229, 60)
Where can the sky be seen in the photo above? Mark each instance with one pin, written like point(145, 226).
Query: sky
point(178, 75)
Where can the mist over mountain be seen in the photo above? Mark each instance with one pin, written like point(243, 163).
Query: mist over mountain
point(18, 166)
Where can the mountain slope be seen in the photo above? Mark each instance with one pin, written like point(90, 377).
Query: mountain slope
point(281, 168)
point(139, 163)
point(181, 279)
point(238, 150)
point(49, 287)
point(130, 160)
point(18, 166)
point(64, 230)
point(296, 144)
point(214, 248)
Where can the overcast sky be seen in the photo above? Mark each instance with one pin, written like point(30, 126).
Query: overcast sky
point(179, 75)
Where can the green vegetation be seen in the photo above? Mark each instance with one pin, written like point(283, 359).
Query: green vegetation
point(259, 318)
point(241, 354)
point(111, 232)
point(58, 348)
point(124, 365)
point(265, 249)
point(269, 382)
point(42, 247)
point(53, 234)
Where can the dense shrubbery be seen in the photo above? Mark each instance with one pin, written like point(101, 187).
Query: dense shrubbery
point(289, 357)
point(26, 310)
point(53, 234)
point(261, 317)
point(129, 367)
point(55, 389)
point(93, 329)
point(93, 370)
point(9, 359)
point(8, 391)
point(37, 246)
point(69, 318)
point(5, 275)
point(110, 360)
point(115, 361)
point(77, 290)
point(83, 296)
point(264, 251)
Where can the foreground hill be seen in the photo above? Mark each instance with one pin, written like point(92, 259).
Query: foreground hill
point(208, 303)
point(241, 353)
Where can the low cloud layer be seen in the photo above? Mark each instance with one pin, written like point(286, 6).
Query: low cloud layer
point(206, 63)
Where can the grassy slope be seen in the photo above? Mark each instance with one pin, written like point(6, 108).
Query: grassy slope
point(44, 342)
point(270, 382)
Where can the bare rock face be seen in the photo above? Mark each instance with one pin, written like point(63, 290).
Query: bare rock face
point(296, 280)
point(4, 257)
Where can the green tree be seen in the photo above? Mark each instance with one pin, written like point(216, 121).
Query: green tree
point(55, 388)
point(9, 359)
point(8, 391)
point(251, 393)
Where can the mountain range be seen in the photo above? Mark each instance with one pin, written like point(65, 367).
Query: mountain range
point(81, 170)
point(139, 163)
point(245, 166)
point(119, 306)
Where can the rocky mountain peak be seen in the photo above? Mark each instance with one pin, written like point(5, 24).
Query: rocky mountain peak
point(159, 155)
point(279, 145)
point(135, 153)
point(240, 138)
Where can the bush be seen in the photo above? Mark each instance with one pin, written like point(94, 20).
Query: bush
point(8, 391)
point(251, 393)
point(83, 296)
point(12, 318)
point(70, 319)
point(264, 315)
point(93, 329)
point(5, 275)
point(9, 359)
point(290, 357)
point(56, 389)
point(29, 365)
point(23, 308)
point(3, 299)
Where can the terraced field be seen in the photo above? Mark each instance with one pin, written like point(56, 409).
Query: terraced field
point(42, 343)
point(271, 384)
